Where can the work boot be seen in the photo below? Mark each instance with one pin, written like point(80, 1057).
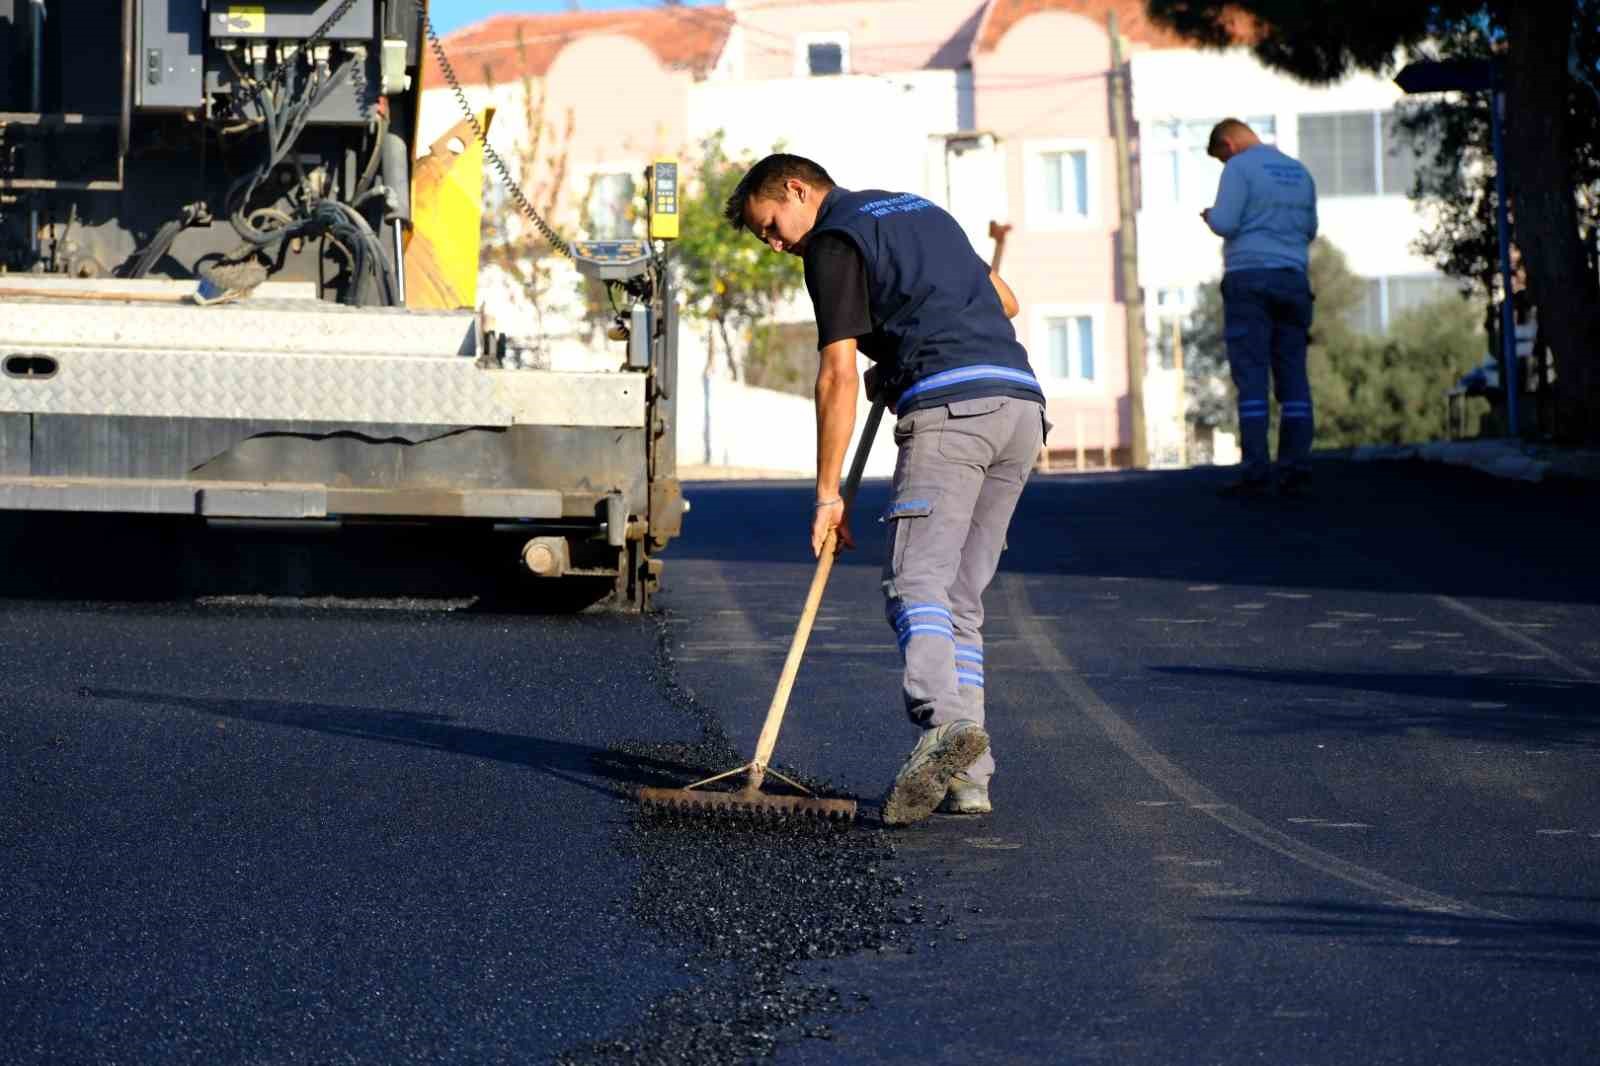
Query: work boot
point(941, 754)
point(966, 796)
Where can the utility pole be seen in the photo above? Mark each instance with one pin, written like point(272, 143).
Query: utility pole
point(1132, 294)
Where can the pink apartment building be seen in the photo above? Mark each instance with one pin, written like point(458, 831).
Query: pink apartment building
point(998, 109)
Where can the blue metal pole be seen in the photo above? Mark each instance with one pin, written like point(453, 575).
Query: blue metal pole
point(1510, 376)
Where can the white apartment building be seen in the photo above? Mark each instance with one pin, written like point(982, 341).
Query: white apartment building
point(1342, 133)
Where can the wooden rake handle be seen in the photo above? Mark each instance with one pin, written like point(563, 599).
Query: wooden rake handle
point(802, 631)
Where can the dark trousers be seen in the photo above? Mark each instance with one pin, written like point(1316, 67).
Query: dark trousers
point(1267, 314)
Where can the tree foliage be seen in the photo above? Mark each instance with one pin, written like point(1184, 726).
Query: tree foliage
point(1388, 389)
point(538, 164)
point(733, 282)
point(1455, 178)
point(1549, 58)
point(1318, 41)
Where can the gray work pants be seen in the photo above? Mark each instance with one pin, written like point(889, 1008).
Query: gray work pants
point(960, 471)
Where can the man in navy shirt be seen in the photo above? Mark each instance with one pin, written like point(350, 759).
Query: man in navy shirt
point(893, 276)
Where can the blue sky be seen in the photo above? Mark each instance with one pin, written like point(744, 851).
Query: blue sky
point(450, 15)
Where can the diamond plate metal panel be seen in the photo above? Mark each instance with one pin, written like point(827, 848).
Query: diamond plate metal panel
point(320, 388)
point(306, 327)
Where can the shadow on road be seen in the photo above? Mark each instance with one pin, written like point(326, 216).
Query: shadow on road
point(1508, 708)
point(1383, 527)
point(1570, 947)
point(577, 764)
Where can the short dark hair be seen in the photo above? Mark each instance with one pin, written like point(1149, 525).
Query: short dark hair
point(766, 179)
point(1225, 128)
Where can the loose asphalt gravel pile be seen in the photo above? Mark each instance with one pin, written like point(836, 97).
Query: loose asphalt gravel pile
point(750, 900)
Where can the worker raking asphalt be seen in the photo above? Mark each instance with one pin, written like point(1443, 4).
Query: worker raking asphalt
point(751, 900)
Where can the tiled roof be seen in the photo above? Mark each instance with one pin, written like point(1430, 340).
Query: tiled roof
point(1132, 22)
point(690, 38)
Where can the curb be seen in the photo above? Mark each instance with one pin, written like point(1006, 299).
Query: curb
point(1511, 460)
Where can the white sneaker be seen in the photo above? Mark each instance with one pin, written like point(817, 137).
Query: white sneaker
point(965, 797)
point(941, 754)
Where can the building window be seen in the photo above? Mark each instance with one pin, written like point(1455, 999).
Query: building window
point(1167, 318)
point(1358, 153)
point(1066, 183)
point(1384, 299)
point(609, 211)
point(1061, 184)
point(1176, 170)
point(1069, 347)
point(1174, 302)
point(1399, 161)
point(822, 54)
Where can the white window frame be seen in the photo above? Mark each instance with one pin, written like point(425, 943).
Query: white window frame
point(583, 178)
point(1038, 217)
point(1380, 157)
point(1160, 142)
point(802, 52)
point(1039, 316)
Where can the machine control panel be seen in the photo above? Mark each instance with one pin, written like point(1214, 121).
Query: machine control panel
point(611, 260)
point(664, 199)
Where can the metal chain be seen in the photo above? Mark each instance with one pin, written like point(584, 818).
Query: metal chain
point(549, 234)
point(556, 241)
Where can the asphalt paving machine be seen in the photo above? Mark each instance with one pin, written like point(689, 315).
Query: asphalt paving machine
point(231, 290)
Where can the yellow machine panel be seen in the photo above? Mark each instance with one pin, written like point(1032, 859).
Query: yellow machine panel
point(446, 212)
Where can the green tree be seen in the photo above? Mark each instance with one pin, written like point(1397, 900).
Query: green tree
point(1365, 390)
point(1212, 400)
point(734, 283)
point(1547, 79)
point(1455, 170)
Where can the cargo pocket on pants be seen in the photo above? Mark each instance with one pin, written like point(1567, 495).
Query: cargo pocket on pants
point(965, 435)
point(901, 515)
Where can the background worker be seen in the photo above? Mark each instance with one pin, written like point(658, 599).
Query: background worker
point(1266, 215)
point(893, 276)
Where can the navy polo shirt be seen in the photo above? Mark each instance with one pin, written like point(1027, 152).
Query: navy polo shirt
point(931, 317)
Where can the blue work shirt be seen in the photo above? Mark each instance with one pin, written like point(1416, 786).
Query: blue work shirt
point(1266, 211)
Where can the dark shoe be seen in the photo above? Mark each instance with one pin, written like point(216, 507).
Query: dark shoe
point(924, 778)
point(1246, 489)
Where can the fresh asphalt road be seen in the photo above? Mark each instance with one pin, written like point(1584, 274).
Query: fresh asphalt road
point(1280, 782)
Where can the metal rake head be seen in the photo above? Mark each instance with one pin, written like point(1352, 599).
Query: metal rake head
point(746, 803)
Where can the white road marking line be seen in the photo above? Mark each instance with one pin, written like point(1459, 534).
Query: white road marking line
point(1084, 699)
point(1506, 630)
